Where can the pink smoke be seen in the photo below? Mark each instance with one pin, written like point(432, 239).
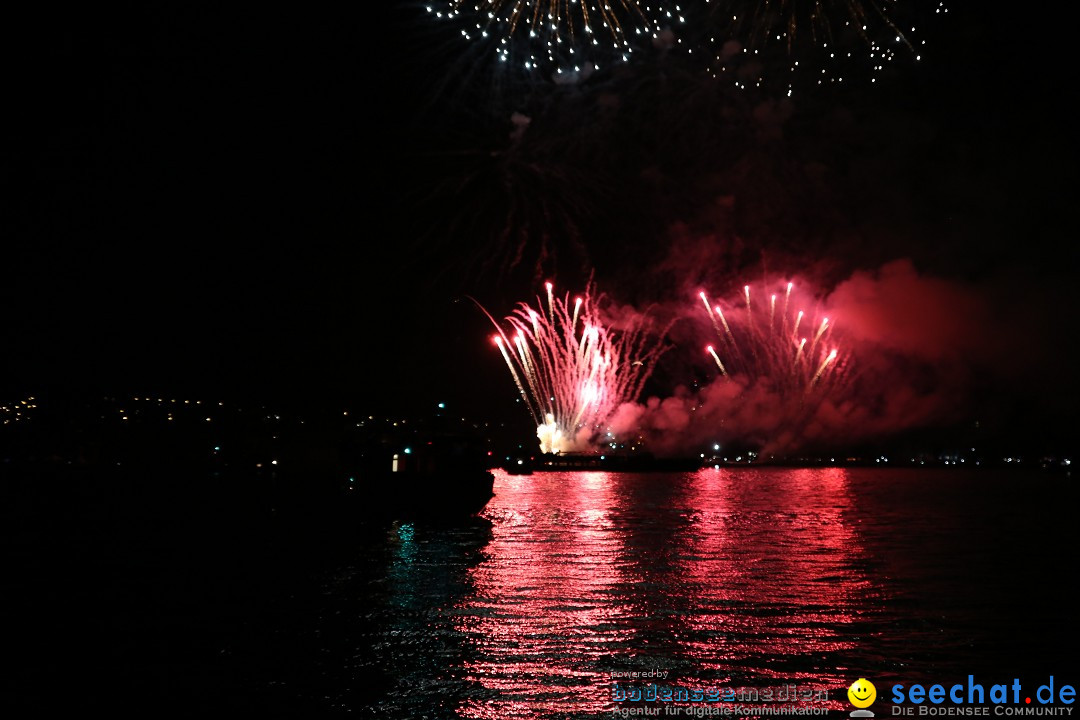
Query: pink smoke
point(911, 344)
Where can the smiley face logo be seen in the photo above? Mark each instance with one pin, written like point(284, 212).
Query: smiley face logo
point(862, 693)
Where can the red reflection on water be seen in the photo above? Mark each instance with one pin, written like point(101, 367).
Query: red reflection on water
point(544, 606)
point(776, 557)
point(727, 578)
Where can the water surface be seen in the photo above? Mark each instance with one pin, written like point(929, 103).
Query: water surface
point(721, 578)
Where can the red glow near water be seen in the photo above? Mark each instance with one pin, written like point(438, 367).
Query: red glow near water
point(756, 583)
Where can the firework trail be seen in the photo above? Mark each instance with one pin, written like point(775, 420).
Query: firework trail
point(766, 342)
point(571, 367)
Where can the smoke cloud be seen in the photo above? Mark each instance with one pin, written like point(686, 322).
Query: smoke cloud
point(910, 348)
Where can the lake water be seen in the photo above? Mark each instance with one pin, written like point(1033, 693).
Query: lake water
point(143, 595)
point(729, 578)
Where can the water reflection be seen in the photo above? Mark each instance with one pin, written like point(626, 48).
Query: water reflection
point(550, 600)
point(759, 581)
point(779, 574)
point(410, 658)
point(757, 578)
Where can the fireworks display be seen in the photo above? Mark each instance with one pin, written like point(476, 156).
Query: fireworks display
point(569, 37)
point(820, 42)
point(817, 42)
point(766, 337)
point(572, 367)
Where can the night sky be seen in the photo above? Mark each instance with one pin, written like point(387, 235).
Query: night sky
point(296, 205)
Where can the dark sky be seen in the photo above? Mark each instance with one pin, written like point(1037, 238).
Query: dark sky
point(230, 202)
